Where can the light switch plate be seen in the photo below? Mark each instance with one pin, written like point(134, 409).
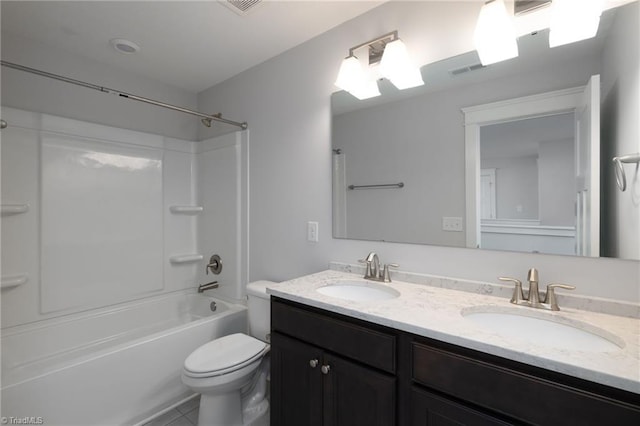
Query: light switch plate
point(312, 232)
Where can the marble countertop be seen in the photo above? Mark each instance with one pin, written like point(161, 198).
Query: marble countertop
point(436, 312)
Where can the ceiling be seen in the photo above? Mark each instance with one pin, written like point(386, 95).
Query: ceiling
point(188, 44)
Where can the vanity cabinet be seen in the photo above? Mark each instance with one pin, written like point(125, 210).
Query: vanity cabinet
point(328, 372)
point(490, 390)
point(381, 376)
point(431, 409)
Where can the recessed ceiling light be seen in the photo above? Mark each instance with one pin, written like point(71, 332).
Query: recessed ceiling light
point(124, 46)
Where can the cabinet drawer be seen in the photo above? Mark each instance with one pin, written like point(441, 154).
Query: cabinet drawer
point(514, 393)
point(429, 409)
point(367, 346)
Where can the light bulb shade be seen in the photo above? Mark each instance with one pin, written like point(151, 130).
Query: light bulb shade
point(574, 20)
point(495, 35)
point(398, 67)
point(353, 79)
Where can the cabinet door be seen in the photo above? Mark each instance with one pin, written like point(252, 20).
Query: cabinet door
point(296, 386)
point(428, 409)
point(356, 395)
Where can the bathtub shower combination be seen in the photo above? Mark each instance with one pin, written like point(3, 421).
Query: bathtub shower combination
point(105, 236)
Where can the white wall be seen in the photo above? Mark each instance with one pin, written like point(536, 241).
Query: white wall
point(40, 94)
point(286, 102)
point(620, 134)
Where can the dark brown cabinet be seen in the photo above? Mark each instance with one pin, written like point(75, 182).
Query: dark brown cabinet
point(430, 409)
point(521, 393)
point(330, 369)
point(296, 387)
point(311, 385)
point(356, 395)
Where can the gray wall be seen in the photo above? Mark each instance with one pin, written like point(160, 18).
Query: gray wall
point(556, 176)
point(40, 94)
point(286, 101)
point(516, 186)
point(620, 135)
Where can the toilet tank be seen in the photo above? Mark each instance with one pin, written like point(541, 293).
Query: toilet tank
point(258, 302)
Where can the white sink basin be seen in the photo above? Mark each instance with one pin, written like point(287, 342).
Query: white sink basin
point(360, 291)
point(545, 332)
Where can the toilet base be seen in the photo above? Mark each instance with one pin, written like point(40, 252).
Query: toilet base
point(220, 410)
point(226, 410)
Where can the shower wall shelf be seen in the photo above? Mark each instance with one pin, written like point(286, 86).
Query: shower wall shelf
point(10, 209)
point(185, 258)
point(11, 281)
point(186, 209)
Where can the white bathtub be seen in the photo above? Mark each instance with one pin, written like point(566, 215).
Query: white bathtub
point(111, 366)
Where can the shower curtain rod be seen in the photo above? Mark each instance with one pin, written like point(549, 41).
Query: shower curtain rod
point(206, 118)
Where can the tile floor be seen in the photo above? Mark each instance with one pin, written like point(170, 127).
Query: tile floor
point(183, 415)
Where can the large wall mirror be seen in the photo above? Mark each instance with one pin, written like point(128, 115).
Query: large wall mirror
point(437, 165)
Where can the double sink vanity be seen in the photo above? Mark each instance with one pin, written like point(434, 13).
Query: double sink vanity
point(425, 350)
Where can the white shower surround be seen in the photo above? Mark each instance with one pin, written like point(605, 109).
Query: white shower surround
point(102, 224)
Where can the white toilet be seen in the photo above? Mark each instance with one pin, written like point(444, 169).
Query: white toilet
point(231, 372)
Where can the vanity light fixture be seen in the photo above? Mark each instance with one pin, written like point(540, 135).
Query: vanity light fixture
point(574, 20)
point(390, 53)
point(495, 35)
point(397, 66)
point(353, 79)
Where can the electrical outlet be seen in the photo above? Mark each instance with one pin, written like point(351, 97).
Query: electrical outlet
point(312, 232)
point(452, 224)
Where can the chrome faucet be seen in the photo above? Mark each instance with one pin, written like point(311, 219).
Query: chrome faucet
point(373, 263)
point(533, 297)
point(373, 271)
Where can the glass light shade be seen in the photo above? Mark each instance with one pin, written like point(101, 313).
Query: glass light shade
point(397, 66)
point(495, 34)
point(353, 79)
point(574, 20)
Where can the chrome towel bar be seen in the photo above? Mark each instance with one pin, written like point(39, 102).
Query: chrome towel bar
point(384, 185)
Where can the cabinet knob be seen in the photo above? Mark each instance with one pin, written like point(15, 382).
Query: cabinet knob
point(325, 369)
point(313, 363)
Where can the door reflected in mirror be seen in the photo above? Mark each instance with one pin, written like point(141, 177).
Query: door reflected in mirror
point(527, 185)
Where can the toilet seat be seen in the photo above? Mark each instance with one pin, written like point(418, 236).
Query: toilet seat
point(224, 355)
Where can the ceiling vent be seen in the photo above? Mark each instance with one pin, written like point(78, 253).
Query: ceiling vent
point(525, 6)
point(241, 7)
point(465, 69)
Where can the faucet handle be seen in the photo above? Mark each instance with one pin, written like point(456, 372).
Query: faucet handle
point(550, 297)
point(517, 296)
point(386, 277)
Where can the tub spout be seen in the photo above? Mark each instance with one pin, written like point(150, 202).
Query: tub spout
point(208, 286)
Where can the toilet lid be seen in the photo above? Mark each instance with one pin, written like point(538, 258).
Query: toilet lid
point(223, 353)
